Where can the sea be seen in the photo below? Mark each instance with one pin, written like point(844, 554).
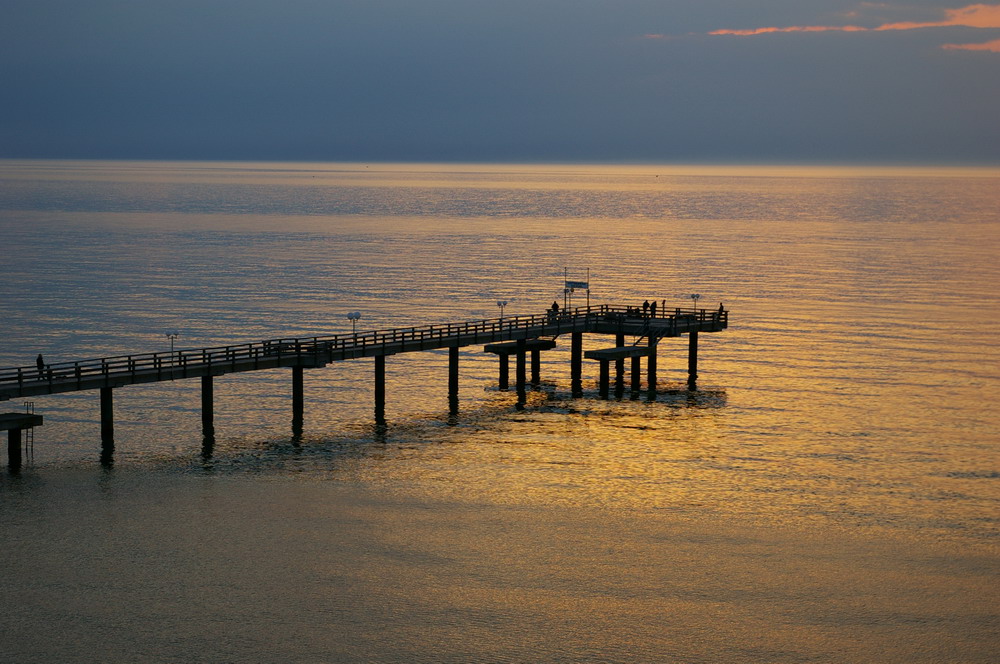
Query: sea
point(830, 492)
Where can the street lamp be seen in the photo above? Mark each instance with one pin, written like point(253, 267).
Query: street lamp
point(353, 317)
point(694, 299)
point(172, 336)
point(502, 304)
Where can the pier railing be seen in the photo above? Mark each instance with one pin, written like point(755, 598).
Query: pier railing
point(151, 367)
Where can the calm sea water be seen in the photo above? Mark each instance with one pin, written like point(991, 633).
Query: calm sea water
point(831, 493)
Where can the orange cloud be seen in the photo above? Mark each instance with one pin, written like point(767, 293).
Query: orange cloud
point(971, 16)
point(791, 28)
point(992, 46)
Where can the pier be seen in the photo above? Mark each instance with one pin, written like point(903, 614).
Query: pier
point(523, 337)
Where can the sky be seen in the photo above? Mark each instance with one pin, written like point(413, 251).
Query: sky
point(677, 81)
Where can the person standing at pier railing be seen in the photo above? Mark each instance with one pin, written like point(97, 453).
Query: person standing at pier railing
point(41, 365)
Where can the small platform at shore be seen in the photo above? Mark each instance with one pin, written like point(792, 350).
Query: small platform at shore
point(11, 421)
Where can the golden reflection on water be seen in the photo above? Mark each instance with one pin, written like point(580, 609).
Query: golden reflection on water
point(849, 389)
point(831, 493)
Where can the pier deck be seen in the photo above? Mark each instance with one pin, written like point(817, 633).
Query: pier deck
point(119, 371)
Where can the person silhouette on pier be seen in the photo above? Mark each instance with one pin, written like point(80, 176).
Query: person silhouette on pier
point(41, 365)
point(645, 308)
point(652, 309)
point(555, 307)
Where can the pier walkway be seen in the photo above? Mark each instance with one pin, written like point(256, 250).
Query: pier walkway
point(506, 336)
point(122, 370)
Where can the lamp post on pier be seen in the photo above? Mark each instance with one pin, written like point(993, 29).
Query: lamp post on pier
point(502, 304)
point(172, 336)
point(353, 317)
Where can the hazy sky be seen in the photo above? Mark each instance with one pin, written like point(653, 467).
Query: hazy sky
point(477, 80)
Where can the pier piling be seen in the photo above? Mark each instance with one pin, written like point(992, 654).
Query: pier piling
point(453, 372)
point(14, 450)
point(380, 389)
point(107, 426)
point(619, 368)
point(605, 375)
point(693, 360)
point(504, 371)
point(651, 369)
point(520, 377)
point(298, 401)
point(207, 406)
point(576, 363)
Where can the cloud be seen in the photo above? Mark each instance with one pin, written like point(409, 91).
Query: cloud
point(971, 16)
point(992, 46)
point(791, 28)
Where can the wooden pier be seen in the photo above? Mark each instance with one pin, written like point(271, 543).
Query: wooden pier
point(515, 335)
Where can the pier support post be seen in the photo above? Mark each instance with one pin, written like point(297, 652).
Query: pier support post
point(636, 374)
point(576, 363)
point(536, 357)
point(651, 370)
point(693, 360)
point(453, 379)
point(107, 426)
point(619, 368)
point(504, 371)
point(207, 407)
point(520, 371)
point(14, 450)
point(298, 401)
point(380, 389)
point(605, 375)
